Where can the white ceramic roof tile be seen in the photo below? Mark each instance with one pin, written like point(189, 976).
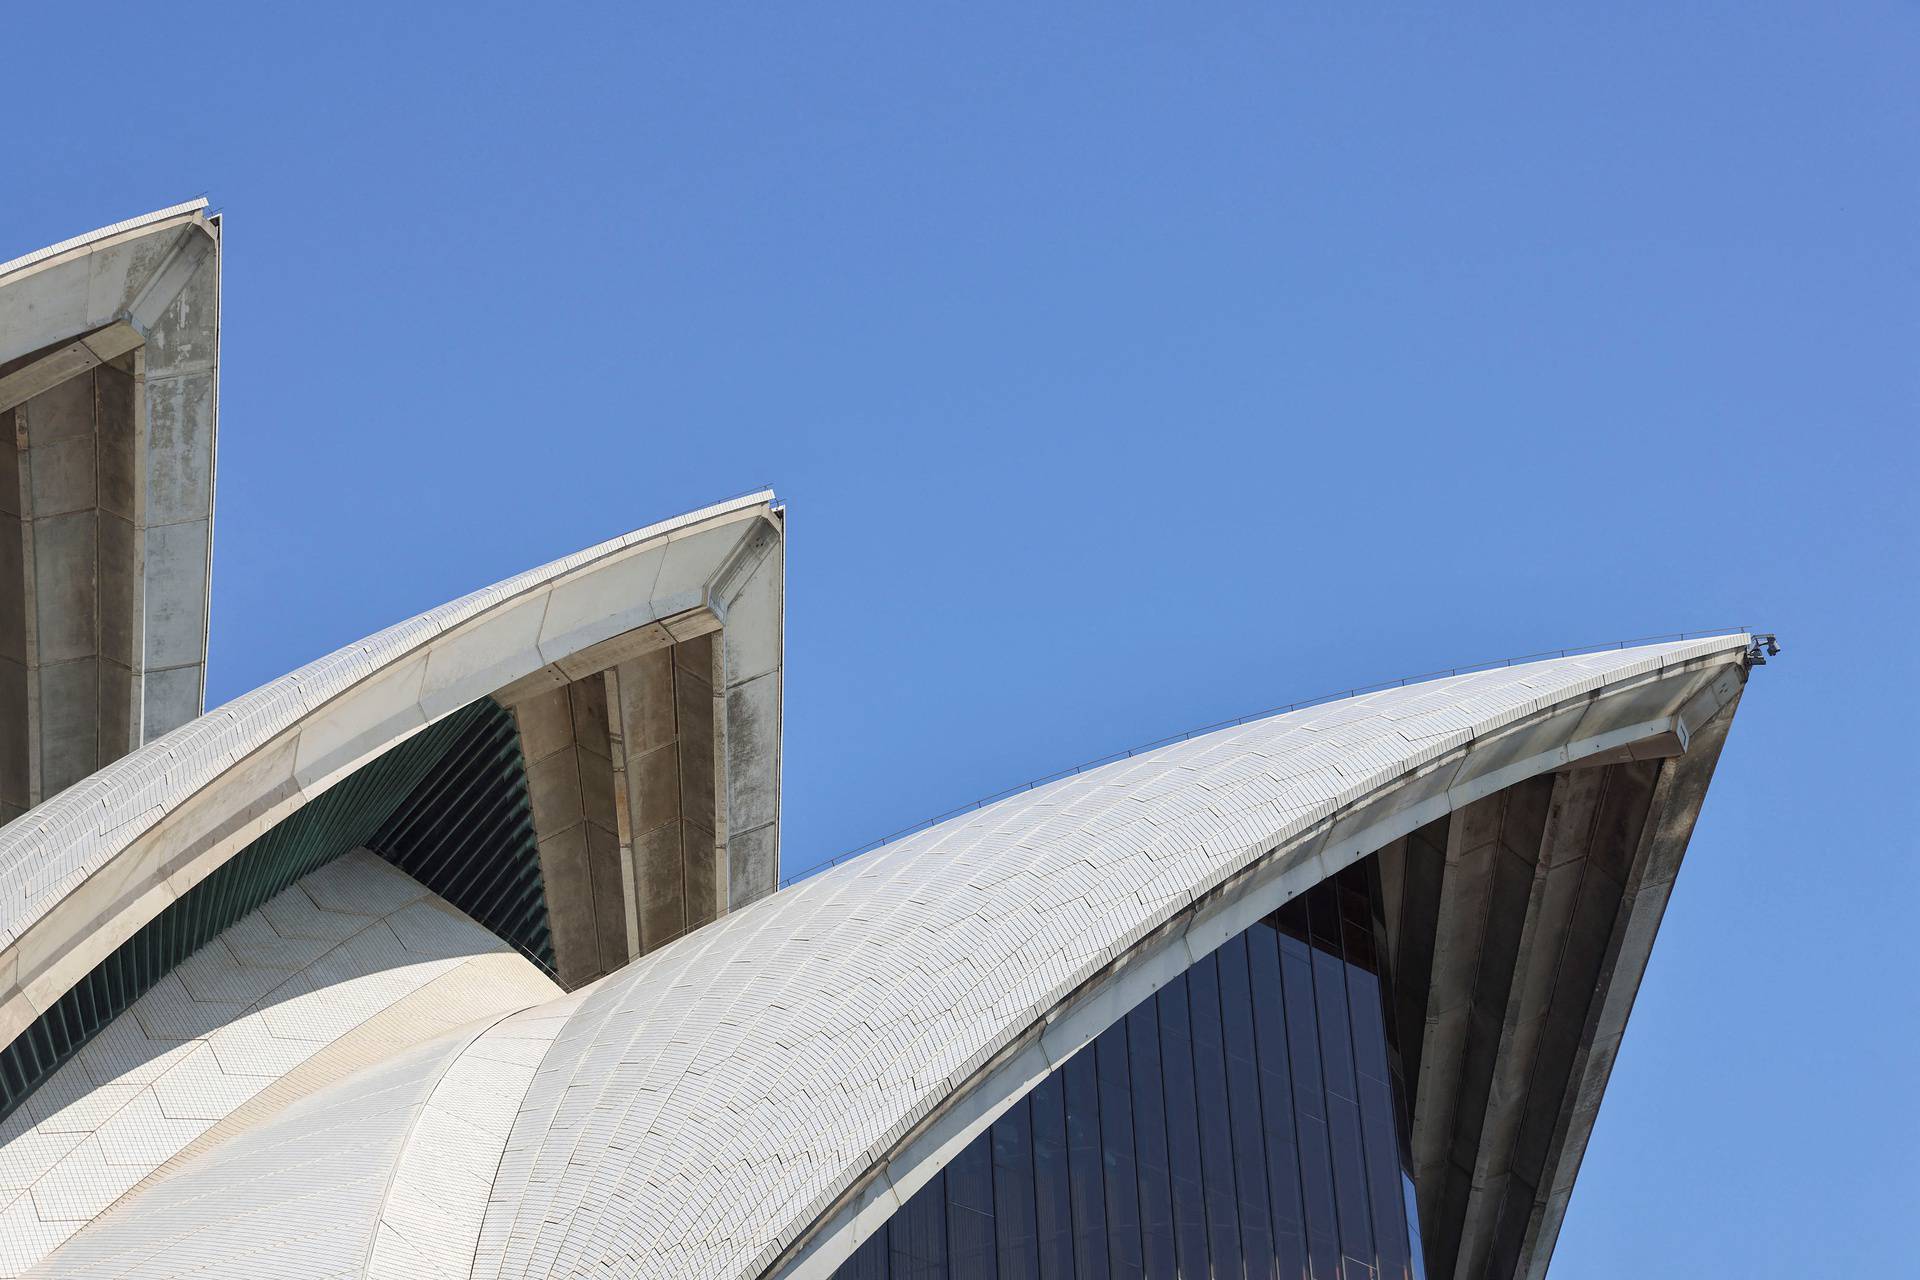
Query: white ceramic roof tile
point(200, 1088)
point(177, 1063)
point(215, 973)
point(299, 916)
point(82, 1185)
point(123, 1053)
point(433, 1210)
point(291, 1199)
point(25, 1236)
point(168, 1012)
point(27, 1158)
point(68, 1102)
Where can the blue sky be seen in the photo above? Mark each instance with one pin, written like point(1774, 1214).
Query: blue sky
point(1128, 368)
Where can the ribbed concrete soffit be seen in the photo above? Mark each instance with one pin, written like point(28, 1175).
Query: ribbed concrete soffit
point(754, 1098)
point(90, 866)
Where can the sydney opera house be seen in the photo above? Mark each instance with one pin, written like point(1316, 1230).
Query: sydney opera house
point(462, 952)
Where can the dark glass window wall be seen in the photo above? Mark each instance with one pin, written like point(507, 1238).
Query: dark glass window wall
point(1243, 1123)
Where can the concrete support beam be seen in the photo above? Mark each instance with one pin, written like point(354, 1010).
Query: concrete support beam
point(180, 406)
point(1614, 822)
point(630, 791)
point(19, 697)
point(23, 379)
point(1660, 746)
point(1411, 870)
point(1575, 1061)
point(1546, 928)
point(564, 738)
point(109, 354)
point(67, 644)
point(1492, 846)
point(1516, 931)
point(750, 679)
point(1538, 892)
point(669, 715)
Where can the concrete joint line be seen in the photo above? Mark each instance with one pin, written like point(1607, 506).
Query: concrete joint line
point(190, 369)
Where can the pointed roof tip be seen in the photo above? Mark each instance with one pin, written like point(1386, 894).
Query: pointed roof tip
point(764, 495)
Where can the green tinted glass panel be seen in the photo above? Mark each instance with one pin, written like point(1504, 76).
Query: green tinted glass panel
point(449, 806)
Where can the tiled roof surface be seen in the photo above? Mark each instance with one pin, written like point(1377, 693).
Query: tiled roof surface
point(697, 1111)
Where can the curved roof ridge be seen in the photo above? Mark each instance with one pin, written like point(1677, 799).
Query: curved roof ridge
point(882, 986)
point(116, 804)
point(430, 1212)
point(112, 229)
point(1219, 726)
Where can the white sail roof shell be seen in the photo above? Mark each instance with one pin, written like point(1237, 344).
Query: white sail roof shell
point(752, 1099)
point(82, 871)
